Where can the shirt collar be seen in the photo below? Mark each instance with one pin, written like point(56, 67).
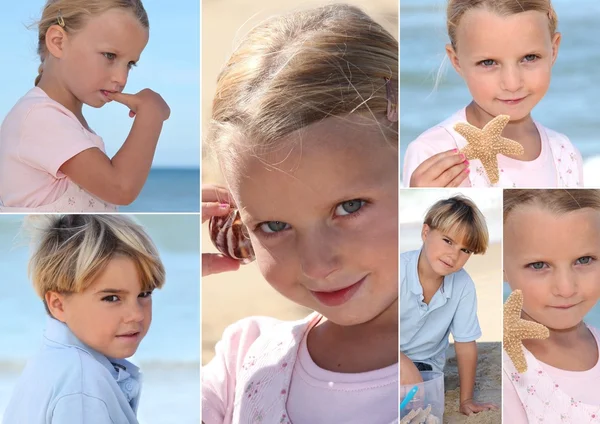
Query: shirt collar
point(415, 283)
point(59, 333)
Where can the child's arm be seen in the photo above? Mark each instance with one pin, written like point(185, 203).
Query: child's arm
point(466, 356)
point(119, 180)
point(80, 408)
point(409, 374)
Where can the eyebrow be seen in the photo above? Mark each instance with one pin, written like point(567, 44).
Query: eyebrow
point(112, 291)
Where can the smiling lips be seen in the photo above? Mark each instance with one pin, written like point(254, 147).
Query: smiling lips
point(130, 336)
point(512, 101)
point(338, 297)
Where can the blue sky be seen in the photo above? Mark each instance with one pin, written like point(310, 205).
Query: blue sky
point(170, 65)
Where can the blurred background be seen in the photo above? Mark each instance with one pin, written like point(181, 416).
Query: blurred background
point(569, 107)
point(486, 272)
point(169, 355)
point(170, 65)
point(231, 296)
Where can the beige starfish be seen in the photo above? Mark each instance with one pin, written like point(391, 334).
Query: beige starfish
point(488, 143)
point(517, 329)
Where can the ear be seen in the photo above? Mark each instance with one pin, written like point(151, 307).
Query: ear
point(425, 232)
point(55, 40)
point(56, 305)
point(555, 45)
point(451, 53)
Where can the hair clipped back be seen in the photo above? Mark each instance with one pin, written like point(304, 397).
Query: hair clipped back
point(70, 251)
point(297, 69)
point(557, 201)
point(74, 13)
point(460, 215)
point(457, 8)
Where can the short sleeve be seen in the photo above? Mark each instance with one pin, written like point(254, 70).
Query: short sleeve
point(80, 408)
point(50, 137)
point(465, 324)
point(219, 375)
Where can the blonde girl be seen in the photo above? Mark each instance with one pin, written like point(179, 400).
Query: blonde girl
point(504, 50)
point(551, 253)
point(50, 158)
point(95, 275)
point(304, 125)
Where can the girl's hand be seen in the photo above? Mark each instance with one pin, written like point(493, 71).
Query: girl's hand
point(469, 407)
point(216, 201)
point(445, 169)
point(409, 374)
point(145, 102)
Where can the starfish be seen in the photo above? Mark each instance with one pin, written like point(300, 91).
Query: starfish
point(488, 143)
point(517, 329)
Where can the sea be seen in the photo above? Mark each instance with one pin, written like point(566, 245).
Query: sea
point(169, 356)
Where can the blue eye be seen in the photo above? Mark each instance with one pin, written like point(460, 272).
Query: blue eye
point(273, 226)
point(487, 63)
point(349, 207)
point(585, 260)
point(110, 56)
point(537, 265)
point(531, 58)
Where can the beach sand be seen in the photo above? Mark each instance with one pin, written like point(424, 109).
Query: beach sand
point(486, 272)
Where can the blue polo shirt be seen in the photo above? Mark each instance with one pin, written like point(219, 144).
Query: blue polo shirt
point(424, 329)
point(70, 383)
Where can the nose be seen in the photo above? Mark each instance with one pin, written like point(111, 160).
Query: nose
point(120, 76)
point(511, 79)
point(317, 254)
point(564, 284)
point(135, 312)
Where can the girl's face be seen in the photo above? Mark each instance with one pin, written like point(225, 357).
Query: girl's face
point(112, 315)
point(554, 260)
point(322, 214)
point(506, 61)
point(443, 252)
point(99, 57)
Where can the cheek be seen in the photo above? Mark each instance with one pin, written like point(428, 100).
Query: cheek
point(539, 80)
point(480, 84)
point(273, 263)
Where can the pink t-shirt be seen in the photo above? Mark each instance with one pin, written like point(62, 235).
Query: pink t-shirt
point(36, 138)
point(539, 173)
point(304, 393)
point(581, 387)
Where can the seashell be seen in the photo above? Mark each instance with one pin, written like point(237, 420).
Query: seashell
point(230, 237)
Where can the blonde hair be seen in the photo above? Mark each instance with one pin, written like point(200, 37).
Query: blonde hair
point(558, 201)
point(70, 251)
point(460, 215)
point(298, 69)
point(75, 13)
point(457, 8)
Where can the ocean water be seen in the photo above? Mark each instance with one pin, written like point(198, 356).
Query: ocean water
point(570, 106)
point(168, 190)
point(169, 356)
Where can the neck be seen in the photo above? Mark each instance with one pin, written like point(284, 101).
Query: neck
point(57, 91)
point(427, 276)
point(514, 129)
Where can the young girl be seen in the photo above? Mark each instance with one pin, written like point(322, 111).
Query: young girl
point(50, 159)
point(95, 275)
point(551, 253)
point(437, 296)
point(504, 50)
point(304, 125)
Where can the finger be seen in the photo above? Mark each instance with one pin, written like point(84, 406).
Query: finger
point(215, 264)
point(125, 99)
point(431, 170)
point(210, 209)
point(217, 193)
point(131, 113)
point(459, 172)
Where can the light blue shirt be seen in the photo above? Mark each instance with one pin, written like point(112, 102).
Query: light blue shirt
point(70, 383)
point(424, 329)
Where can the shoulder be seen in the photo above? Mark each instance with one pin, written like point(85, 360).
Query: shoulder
point(247, 330)
point(555, 136)
point(463, 281)
point(440, 137)
point(407, 257)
